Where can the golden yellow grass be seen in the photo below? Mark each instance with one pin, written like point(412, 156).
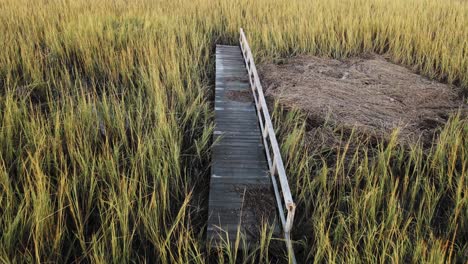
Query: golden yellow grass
point(105, 128)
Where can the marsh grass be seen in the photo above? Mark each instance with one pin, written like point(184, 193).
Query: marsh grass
point(105, 132)
point(397, 203)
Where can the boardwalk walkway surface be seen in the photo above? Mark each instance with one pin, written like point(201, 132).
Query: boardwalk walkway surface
point(240, 186)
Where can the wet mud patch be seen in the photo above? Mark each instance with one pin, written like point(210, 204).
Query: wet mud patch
point(367, 93)
point(235, 79)
point(244, 96)
point(259, 207)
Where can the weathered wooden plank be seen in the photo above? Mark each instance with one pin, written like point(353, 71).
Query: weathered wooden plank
point(229, 181)
point(239, 165)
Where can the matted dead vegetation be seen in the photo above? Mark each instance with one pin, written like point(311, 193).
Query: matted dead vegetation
point(369, 93)
point(243, 96)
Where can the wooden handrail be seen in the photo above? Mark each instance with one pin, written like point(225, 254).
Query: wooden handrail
point(275, 162)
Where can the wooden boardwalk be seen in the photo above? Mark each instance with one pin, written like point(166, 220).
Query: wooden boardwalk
point(240, 187)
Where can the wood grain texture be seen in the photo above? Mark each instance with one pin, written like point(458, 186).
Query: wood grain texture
point(239, 172)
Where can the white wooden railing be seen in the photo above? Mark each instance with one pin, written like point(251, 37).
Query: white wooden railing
point(273, 154)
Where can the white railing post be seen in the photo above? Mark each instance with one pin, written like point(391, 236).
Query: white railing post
point(275, 162)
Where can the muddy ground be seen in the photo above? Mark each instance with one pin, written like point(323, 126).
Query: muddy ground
point(369, 93)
